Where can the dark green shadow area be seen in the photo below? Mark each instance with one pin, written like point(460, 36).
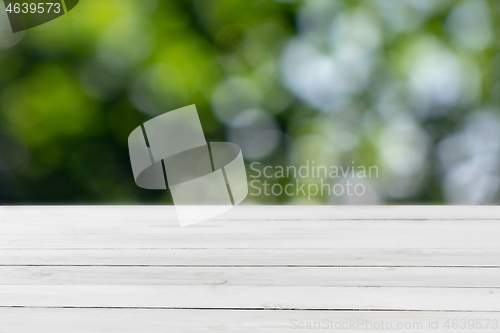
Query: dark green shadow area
point(70, 4)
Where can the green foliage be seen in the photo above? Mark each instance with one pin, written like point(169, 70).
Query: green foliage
point(389, 83)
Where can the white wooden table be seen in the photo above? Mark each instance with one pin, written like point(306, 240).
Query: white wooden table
point(254, 269)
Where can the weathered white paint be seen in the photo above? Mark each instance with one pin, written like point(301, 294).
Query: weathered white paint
point(416, 277)
point(98, 233)
point(254, 257)
point(252, 297)
point(161, 321)
point(133, 269)
point(260, 213)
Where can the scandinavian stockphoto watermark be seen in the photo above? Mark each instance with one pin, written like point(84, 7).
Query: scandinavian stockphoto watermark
point(205, 179)
point(310, 180)
point(456, 324)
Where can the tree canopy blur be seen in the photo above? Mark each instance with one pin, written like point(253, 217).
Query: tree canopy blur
point(409, 86)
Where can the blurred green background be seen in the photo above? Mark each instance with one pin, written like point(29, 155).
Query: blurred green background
point(409, 86)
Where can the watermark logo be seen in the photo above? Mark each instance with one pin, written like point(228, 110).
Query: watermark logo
point(26, 14)
point(310, 180)
point(205, 179)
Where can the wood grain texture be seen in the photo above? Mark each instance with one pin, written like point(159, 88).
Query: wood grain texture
point(307, 234)
point(252, 297)
point(364, 257)
point(253, 213)
point(134, 269)
point(14, 320)
point(411, 277)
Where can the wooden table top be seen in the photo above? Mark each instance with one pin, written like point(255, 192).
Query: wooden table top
point(343, 269)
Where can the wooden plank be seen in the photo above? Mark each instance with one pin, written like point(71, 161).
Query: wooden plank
point(98, 226)
point(248, 212)
point(411, 277)
point(252, 297)
point(161, 321)
point(439, 234)
point(254, 257)
point(245, 263)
